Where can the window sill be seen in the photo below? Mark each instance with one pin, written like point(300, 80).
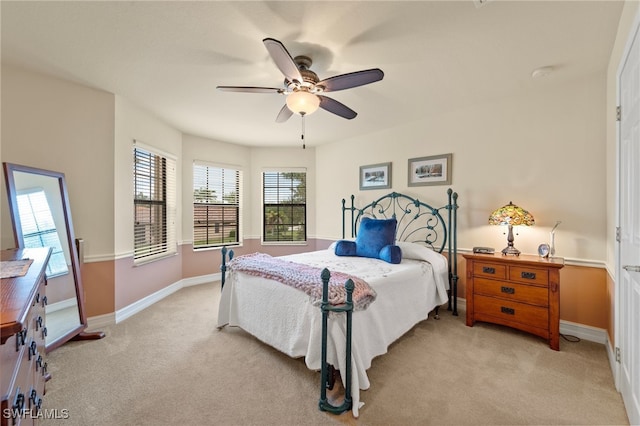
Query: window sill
point(146, 261)
point(229, 246)
point(284, 243)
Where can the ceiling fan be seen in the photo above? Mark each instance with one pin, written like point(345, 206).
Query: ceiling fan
point(304, 89)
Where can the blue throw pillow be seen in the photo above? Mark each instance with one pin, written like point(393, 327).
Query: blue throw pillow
point(375, 239)
point(345, 248)
point(373, 235)
point(391, 254)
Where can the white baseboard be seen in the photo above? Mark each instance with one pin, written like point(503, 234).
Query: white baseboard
point(134, 308)
point(613, 364)
point(202, 279)
point(585, 332)
point(63, 304)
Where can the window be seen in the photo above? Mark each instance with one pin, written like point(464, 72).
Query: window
point(39, 229)
point(285, 206)
point(154, 204)
point(216, 206)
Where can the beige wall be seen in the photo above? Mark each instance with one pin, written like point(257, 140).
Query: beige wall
point(57, 125)
point(543, 150)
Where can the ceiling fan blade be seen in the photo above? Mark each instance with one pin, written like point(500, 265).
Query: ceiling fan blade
point(352, 79)
point(283, 59)
point(284, 114)
point(336, 107)
point(250, 89)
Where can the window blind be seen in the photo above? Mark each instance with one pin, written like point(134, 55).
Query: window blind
point(217, 209)
point(284, 195)
point(154, 205)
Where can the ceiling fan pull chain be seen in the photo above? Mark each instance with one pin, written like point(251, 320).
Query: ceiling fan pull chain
point(302, 136)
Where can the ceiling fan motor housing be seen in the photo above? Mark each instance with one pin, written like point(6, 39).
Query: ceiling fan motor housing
point(310, 78)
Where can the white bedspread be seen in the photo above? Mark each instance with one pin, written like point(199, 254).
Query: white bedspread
point(286, 319)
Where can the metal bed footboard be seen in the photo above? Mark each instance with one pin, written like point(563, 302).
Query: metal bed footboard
point(327, 370)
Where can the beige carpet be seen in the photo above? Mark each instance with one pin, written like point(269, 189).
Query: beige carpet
point(169, 365)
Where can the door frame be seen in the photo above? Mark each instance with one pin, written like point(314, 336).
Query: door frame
point(633, 32)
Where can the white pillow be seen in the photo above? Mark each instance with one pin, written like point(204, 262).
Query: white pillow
point(437, 260)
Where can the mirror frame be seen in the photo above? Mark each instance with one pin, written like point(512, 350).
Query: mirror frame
point(76, 332)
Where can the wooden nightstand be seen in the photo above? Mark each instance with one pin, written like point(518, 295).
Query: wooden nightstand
point(521, 292)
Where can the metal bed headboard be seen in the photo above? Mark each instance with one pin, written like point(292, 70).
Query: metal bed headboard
point(418, 222)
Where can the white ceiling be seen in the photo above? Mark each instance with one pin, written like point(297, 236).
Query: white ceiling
point(169, 56)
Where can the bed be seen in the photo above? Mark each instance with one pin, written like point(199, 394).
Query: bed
point(291, 320)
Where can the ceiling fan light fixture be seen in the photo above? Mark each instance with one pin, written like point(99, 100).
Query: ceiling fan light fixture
point(302, 102)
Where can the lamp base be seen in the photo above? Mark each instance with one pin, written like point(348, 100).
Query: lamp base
point(511, 250)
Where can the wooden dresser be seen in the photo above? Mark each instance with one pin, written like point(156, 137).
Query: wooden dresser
point(22, 337)
point(522, 292)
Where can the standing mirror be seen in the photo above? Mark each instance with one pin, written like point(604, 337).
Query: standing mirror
point(41, 217)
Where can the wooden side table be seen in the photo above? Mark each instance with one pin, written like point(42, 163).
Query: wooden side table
point(521, 292)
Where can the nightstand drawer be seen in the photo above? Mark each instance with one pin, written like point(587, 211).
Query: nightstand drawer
point(508, 311)
point(529, 275)
point(490, 270)
point(512, 291)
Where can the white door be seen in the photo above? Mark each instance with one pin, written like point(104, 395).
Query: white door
point(628, 270)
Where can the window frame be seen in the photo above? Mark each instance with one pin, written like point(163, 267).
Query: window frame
point(160, 190)
point(267, 206)
point(235, 182)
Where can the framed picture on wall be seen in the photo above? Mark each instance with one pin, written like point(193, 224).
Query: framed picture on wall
point(375, 176)
point(433, 170)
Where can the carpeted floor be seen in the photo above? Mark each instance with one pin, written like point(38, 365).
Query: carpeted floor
point(169, 365)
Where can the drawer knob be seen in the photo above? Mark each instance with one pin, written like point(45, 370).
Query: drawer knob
point(33, 349)
point(18, 402)
point(488, 270)
point(528, 275)
point(36, 401)
point(508, 311)
point(508, 290)
point(21, 337)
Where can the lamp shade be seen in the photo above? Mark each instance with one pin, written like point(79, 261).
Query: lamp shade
point(511, 215)
point(302, 102)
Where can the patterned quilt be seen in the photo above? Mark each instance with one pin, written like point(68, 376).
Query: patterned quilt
point(305, 278)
